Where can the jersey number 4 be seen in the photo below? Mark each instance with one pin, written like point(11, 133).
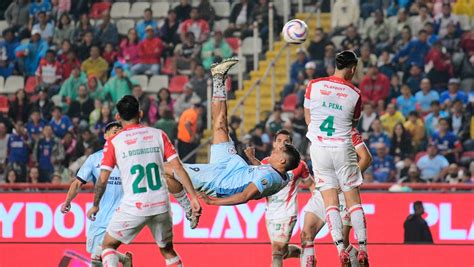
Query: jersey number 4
point(152, 173)
point(328, 126)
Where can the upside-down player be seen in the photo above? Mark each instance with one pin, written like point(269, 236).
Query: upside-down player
point(332, 108)
point(228, 179)
point(282, 207)
point(89, 172)
point(139, 153)
point(315, 213)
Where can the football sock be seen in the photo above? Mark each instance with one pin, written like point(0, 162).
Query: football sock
point(307, 255)
point(358, 223)
point(334, 221)
point(183, 200)
point(174, 262)
point(109, 257)
point(219, 92)
point(277, 259)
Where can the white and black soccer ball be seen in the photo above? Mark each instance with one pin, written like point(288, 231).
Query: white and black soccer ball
point(295, 31)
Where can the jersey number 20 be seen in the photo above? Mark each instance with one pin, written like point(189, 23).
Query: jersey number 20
point(328, 126)
point(152, 174)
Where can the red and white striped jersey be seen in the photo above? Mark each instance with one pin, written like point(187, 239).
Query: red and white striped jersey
point(139, 153)
point(283, 204)
point(333, 104)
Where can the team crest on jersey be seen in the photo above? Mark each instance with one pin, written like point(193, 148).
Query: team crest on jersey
point(232, 150)
point(138, 205)
point(264, 181)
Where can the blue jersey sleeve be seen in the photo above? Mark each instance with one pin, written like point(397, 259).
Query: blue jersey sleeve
point(86, 172)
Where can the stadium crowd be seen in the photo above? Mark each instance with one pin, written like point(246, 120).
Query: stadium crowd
point(416, 72)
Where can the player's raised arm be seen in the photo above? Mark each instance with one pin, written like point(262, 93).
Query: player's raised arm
point(250, 153)
point(251, 192)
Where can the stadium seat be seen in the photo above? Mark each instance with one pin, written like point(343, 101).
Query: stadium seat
point(13, 83)
point(280, 7)
point(234, 43)
point(160, 9)
point(465, 22)
point(289, 103)
point(30, 86)
point(120, 10)
point(142, 80)
point(337, 40)
point(156, 83)
point(222, 9)
point(167, 68)
point(248, 46)
point(2, 83)
point(222, 25)
point(123, 25)
point(3, 25)
point(98, 8)
point(3, 103)
point(419, 155)
point(137, 9)
point(177, 83)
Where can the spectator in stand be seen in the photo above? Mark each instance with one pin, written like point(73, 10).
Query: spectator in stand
point(432, 119)
point(418, 22)
point(16, 15)
point(465, 70)
point(199, 81)
point(36, 7)
point(441, 67)
point(196, 25)
point(299, 124)
point(69, 144)
point(416, 228)
point(374, 86)
point(383, 166)
point(6, 69)
point(317, 45)
point(183, 10)
point(80, 107)
point(432, 165)
point(61, 7)
point(118, 86)
point(416, 128)
point(49, 73)
point(149, 54)
point(164, 99)
point(109, 54)
point(33, 177)
point(107, 31)
point(143, 24)
point(18, 148)
point(426, 96)
point(128, 49)
point(378, 32)
point(453, 93)
point(207, 12)
point(61, 124)
point(70, 63)
point(186, 100)
point(11, 178)
point(451, 40)
point(64, 30)
point(8, 45)
point(378, 135)
point(137, 92)
point(30, 54)
point(261, 141)
point(240, 17)
point(104, 119)
point(454, 175)
point(275, 122)
point(169, 31)
point(234, 126)
point(19, 108)
point(367, 117)
point(85, 142)
point(70, 87)
point(4, 137)
point(84, 26)
point(397, 25)
point(44, 104)
point(343, 14)
point(443, 20)
point(413, 81)
point(215, 47)
point(352, 41)
point(406, 103)
point(405, 37)
point(167, 123)
point(459, 121)
point(415, 51)
point(188, 127)
point(412, 176)
point(84, 48)
point(401, 144)
point(186, 54)
point(446, 141)
point(45, 28)
point(95, 65)
point(94, 87)
point(48, 154)
point(391, 118)
point(432, 37)
point(366, 60)
point(35, 125)
point(259, 14)
point(386, 66)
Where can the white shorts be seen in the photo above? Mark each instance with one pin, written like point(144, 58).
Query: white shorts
point(315, 205)
point(125, 227)
point(335, 167)
point(279, 230)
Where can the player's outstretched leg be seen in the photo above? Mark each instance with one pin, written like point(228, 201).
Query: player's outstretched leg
point(311, 226)
point(219, 98)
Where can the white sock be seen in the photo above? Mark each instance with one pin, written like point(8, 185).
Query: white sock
point(219, 92)
point(277, 259)
point(358, 223)
point(110, 258)
point(334, 221)
point(307, 255)
point(352, 251)
point(95, 257)
point(183, 200)
point(175, 262)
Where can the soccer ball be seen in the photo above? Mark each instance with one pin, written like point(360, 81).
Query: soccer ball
point(295, 31)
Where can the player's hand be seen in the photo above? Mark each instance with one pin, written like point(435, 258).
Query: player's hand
point(65, 207)
point(92, 212)
point(205, 198)
point(250, 152)
point(196, 207)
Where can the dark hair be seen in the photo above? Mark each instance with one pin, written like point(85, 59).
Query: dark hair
point(235, 119)
point(168, 99)
point(443, 119)
point(111, 125)
point(60, 23)
point(41, 12)
point(417, 204)
point(293, 157)
point(57, 108)
point(413, 113)
point(50, 51)
point(422, 31)
point(128, 108)
point(346, 59)
point(434, 103)
point(283, 132)
point(148, 10)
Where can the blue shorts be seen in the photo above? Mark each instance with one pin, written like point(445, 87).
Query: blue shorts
point(95, 237)
point(223, 161)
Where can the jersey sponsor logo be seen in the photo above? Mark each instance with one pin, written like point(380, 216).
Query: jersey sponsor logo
point(138, 205)
point(131, 141)
point(342, 95)
point(334, 87)
point(324, 92)
point(148, 138)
